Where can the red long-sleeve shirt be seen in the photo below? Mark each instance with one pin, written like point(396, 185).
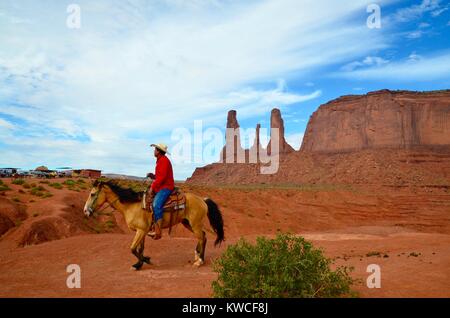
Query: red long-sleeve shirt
point(163, 175)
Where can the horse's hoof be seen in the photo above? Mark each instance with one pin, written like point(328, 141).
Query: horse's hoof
point(137, 266)
point(147, 260)
point(198, 263)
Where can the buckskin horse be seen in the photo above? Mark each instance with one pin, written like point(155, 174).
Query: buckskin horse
point(129, 202)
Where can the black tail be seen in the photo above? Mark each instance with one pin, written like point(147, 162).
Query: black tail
point(216, 220)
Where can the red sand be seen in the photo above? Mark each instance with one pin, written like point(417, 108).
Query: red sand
point(347, 224)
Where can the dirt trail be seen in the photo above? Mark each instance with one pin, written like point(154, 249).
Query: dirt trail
point(406, 233)
point(40, 271)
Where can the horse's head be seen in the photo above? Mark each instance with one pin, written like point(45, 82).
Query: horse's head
point(96, 199)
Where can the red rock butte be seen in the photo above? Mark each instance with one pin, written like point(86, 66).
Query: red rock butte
point(396, 119)
point(372, 138)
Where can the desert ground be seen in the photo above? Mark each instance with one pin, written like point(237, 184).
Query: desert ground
point(406, 231)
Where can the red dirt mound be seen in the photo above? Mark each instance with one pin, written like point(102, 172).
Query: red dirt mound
point(43, 231)
point(5, 224)
point(68, 221)
point(37, 219)
point(10, 214)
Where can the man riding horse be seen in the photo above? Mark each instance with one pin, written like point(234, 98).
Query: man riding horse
point(130, 204)
point(161, 187)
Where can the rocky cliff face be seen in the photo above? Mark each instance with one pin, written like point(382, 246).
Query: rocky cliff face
point(382, 119)
point(389, 138)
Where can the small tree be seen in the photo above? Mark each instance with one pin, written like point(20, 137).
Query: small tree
point(287, 266)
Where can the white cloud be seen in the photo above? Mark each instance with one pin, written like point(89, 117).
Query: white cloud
point(416, 11)
point(415, 34)
point(413, 57)
point(6, 124)
point(368, 61)
point(438, 12)
point(424, 25)
point(415, 68)
point(137, 69)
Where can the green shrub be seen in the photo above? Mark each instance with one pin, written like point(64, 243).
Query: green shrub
point(373, 253)
point(18, 181)
point(56, 185)
point(37, 192)
point(4, 187)
point(1, 181)
point(26, 186)
point(287, 266)
point(110, 224)
point(69, 183)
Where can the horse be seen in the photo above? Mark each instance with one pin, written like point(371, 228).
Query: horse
point(129, 203)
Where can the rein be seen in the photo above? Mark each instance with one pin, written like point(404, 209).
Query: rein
point(102, 209)
point(106, 206)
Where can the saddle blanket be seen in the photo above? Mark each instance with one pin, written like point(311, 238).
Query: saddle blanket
point(176, 201)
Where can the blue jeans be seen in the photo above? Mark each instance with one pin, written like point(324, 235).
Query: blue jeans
point(158, 202)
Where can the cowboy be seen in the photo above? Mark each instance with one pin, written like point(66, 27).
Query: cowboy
point(161, 187)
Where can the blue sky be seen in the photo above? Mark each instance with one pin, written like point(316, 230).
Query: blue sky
point(97, 96)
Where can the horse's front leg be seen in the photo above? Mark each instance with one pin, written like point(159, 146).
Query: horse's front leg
point(145, 259)
point(137, 248)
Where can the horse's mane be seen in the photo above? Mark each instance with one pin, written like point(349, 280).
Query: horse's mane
point(124, 194)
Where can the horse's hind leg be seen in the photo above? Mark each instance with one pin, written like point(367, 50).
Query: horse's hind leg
point(200, 249)
point(186, 224)
point(137, 248)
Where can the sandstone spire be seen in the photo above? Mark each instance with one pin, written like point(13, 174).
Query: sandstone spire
point(232, 138)
point(256, 147)
point(276, 121)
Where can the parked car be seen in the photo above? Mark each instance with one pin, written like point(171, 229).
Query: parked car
point(7, 172)
point(23, 173)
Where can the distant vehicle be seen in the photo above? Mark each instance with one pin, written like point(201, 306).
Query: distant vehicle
point(64, 173)
point(23, 173)
point(7, 172)
point(43, 174)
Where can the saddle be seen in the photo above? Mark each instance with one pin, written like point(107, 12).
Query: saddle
point(176, 202)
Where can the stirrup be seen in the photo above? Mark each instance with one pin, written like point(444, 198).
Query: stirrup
point(154, 236)
point(157, 237)
point(152, 232)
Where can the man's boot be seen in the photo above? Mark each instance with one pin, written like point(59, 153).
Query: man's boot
point(158, 230)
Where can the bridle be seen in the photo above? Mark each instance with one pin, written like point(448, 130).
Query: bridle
point(105, 206)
